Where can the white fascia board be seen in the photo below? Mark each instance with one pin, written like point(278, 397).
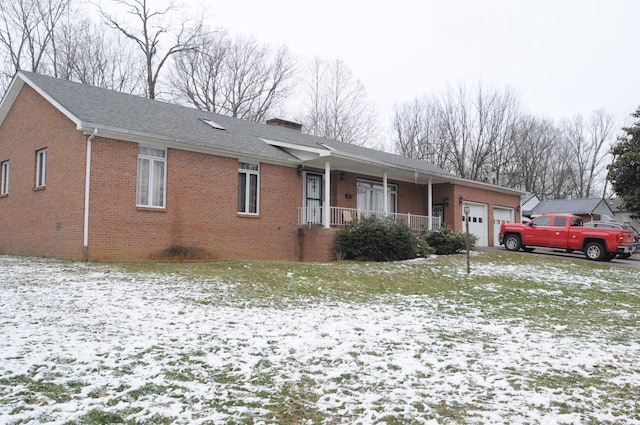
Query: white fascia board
point(9, 97)
point(310, 152)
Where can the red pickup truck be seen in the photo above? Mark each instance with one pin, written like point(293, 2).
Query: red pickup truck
point(564, 231)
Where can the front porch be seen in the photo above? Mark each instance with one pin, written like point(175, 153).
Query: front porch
point(339, 216)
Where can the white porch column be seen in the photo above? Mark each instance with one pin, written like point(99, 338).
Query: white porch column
point(326, 211)
point(384, 193)
point(430, 205)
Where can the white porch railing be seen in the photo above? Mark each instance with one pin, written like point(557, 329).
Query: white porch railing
point(339, 216)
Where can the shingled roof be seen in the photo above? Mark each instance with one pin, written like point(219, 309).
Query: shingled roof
point(573, 206)
point(134, 118)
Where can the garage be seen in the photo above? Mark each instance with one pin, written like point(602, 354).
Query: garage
point(477, 223)
point(500, 215)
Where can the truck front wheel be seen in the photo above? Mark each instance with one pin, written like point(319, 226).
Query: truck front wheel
point(594, 251)
point(512, 242)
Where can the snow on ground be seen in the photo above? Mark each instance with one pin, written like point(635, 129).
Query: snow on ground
point(151, 346)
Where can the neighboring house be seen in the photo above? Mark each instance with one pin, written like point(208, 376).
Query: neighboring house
point(94, 174)
point(589, 209)
point(621, 215)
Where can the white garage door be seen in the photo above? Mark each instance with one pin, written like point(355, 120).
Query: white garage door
point(500, 215)
point(477, 223)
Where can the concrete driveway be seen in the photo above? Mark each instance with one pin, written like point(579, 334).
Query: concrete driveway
point(632, 263)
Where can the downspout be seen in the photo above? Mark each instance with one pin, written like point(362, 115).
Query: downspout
point(87, 187)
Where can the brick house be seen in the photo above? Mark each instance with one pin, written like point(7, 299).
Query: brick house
point(94, 174)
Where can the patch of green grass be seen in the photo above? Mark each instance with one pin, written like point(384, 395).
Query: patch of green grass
point(451, 411)
point(147, 389)
point(38, 391)
point(101, 417)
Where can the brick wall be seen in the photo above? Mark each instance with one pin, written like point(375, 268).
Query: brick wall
point(316, 244)
point(490, 198)
point(201, 208)
point(49, 221)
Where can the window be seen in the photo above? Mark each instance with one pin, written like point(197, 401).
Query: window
point(41, 168)
point(4, 179)
point(542, 221)
point(248, 184)
point(152, 177)
point(560, 222)
point(371, 196)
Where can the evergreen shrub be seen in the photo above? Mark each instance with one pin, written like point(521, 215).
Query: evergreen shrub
point(377, 239)
point(447, 241)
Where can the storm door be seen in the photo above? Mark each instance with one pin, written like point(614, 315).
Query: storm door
point(313, 201)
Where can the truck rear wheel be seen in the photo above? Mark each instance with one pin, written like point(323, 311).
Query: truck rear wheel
point(512, 242)
point(595, 251)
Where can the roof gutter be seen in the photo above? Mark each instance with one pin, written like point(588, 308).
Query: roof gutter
point(87, 190)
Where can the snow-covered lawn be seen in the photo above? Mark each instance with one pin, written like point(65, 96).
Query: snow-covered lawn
point(516, 342)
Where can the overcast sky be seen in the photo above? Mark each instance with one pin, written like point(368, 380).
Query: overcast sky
point(563, 57)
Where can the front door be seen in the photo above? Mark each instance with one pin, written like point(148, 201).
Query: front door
point(313, 198)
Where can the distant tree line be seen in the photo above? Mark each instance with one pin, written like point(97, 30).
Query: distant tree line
point(484, 134)
point(137, 47)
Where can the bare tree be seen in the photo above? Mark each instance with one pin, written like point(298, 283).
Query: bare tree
point(586, 141)
point(471, 134)
point(152, 27)
point(537, 165)
point(86, 54)
point(27, 29)
point(418, 134)
point(337, 105)
point(237, 77)
point(198, 75)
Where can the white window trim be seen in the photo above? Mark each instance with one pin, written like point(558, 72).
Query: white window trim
point(41, 167)
point(6, 171)
point(247, 191)
point(152, 160)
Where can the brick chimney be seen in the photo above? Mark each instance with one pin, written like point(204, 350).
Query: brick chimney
point(279, 122)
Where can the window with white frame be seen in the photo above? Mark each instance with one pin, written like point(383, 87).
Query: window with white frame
point(4, 178)
point(371, 196)
point(41, 168)
point(248, 187)
point(152, 177)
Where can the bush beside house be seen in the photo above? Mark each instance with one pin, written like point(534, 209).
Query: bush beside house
point(376, 239)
